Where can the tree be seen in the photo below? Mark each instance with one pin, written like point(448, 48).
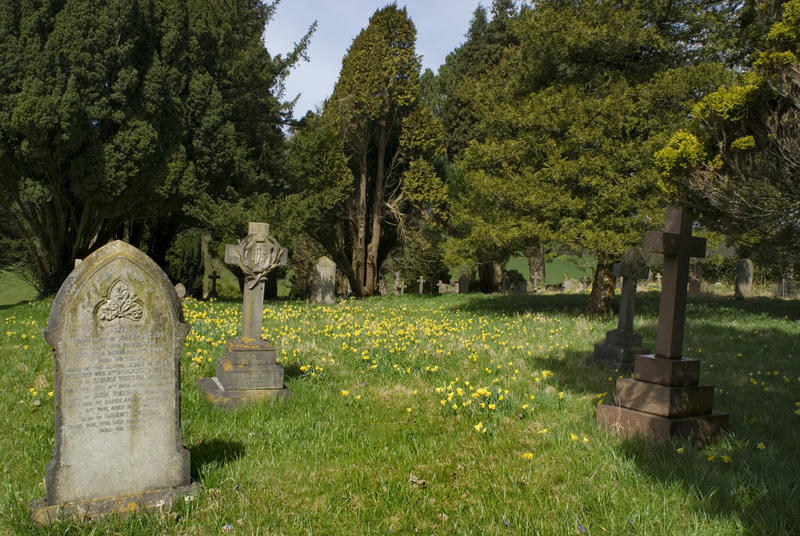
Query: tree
point(132, 120)
point(388, 140)
point(738, 162)
point(568, 132)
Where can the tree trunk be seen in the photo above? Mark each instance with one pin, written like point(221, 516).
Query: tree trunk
point(490, 273)
point(536, 265)
point(359, 248)
point(370, 283)
point(602, 295)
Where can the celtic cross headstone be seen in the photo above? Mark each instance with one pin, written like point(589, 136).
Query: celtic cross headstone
point(249, 371)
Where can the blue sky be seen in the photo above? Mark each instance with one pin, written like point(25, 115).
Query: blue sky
point(441, 26)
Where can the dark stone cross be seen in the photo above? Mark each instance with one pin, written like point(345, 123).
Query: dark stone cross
point(623, 344)
point(212, 292)
point(677, 245)
point(665, 398)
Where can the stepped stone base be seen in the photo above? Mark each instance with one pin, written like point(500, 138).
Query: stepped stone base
point(45, 514)
point(630, 422)
point(222, 398)
point(248, 373)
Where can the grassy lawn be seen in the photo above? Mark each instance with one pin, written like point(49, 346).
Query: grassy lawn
point(14, 289)
point(486, 400)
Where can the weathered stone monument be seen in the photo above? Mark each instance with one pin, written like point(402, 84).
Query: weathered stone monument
point(623, 344)
point(396, 284)
point(323, 282)
point(463, 284)
point(249, 371)
point(696, 282)
point(664, 398)
point(743, 284)
point(212, 291)
point(116, 328)
point(421, 282)
point(402, 287)
point(180, 290)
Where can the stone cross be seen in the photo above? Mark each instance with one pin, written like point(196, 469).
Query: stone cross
point(421, 282)
point(677, 245)
point(402, 287)
point(256, 255)
point(212, 292)
point(632, 268)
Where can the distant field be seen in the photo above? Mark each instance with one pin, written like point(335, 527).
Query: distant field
point(14, 289)
point(575, 267)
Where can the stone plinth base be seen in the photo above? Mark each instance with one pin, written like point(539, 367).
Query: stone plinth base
point(45, 514)
point(629, 422)
point(222, 398)
point(663, 399)
point(619, 350)
point(614, 356)
point(248, 373)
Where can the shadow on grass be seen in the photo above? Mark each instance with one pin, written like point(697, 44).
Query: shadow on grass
point(214, 451)
point(647, 304)
point(760, 487)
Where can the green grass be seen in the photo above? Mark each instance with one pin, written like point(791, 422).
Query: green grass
point(14, 289)
point(369, 378)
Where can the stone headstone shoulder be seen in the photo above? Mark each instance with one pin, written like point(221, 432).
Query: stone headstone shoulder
point(116, 328)
point(743, 284)
point(323, 283)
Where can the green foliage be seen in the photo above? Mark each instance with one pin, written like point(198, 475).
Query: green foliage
point(743, 181)
point(570, 117)
point(132, 120)
point(364, 170)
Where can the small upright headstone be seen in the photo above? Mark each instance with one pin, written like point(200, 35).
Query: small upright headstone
point(249, 371)
point(212, 292)
point(396, 284)
point(785, 289)
point(180, 291)
point(743, 284)
point(421, 282)
point(623, 344)
point(382, 290)
point(463, 284)
point(696, 282)
point(323, 283)
point(664, 398)
point(402, 287)
point(117, 329)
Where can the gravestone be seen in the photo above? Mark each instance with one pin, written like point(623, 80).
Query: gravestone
point(421, 282)
point(743, 284)
point(212, 291)
point(249, 371)
point(463, 284)
point(323, 282)
point(696, 282)
point(402, 287)
point(664, 398)
point(447, 288)
point(180, 290)
point(382, 285)
point(623, 344)
point(116, 328)
point(396, 284)
point(784, 289)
